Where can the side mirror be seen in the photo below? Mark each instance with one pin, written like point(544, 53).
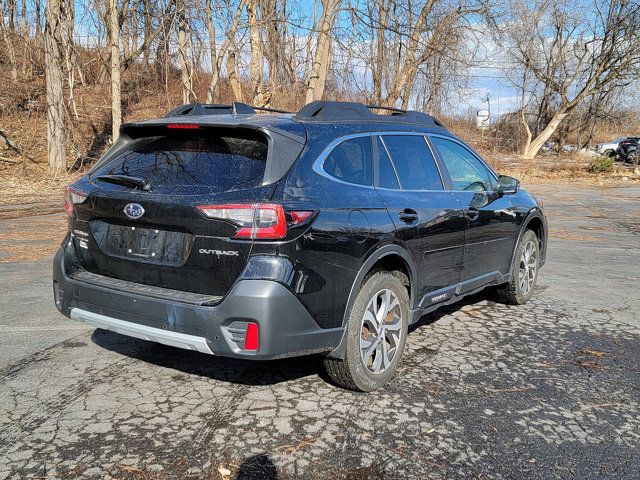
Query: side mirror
point(508, 185)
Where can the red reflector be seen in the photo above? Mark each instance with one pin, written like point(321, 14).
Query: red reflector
point(251, 337)
point(183, 126)
point(300, 216)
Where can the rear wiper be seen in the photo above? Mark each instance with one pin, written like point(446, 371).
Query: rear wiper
point(125, 180)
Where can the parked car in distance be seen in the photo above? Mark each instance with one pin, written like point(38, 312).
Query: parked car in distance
point(261, 236)
point(609, 149)
point(626, 147)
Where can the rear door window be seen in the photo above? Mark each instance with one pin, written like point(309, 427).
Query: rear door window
point(204, 162)
point(350, 161)
point(414, 163)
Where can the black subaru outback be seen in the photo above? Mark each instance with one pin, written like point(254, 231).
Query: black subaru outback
point(271, 235)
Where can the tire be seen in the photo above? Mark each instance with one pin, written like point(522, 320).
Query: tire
point(518, 290)
point(365, 370)
point(610, 153)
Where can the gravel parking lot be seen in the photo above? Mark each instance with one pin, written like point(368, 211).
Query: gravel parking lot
point(547, 390)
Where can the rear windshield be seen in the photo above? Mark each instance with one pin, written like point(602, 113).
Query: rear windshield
point(204, 162)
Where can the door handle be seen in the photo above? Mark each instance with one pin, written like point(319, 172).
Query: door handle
point(472, 213)
point(408, 215)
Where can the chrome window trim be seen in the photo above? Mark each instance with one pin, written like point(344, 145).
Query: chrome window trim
point(318, 164)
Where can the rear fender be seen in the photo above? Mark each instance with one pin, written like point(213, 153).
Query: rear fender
point(377, 255)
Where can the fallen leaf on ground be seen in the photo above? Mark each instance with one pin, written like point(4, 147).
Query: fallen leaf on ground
point(602, 310)
point(595, 353)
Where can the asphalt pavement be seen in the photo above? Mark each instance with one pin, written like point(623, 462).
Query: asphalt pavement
point(550, 389)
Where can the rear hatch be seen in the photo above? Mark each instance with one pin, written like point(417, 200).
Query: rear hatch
point(140, 224)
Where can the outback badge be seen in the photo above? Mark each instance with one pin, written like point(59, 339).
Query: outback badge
point(133, 210)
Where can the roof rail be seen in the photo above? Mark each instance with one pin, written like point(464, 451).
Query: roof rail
point(353, 111)
point(236, 108)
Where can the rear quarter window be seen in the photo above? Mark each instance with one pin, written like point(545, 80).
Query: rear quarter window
point(207, 162)
point(350, 161)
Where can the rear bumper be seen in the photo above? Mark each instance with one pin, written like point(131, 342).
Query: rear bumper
point(285, 327)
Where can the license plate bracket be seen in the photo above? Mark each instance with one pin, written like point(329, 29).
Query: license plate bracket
point(148, 245)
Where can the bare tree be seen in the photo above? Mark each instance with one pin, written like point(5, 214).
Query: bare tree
point(186, 65)
point(6, 36)
point(218, 56)
point(69, 51)
point(116, 101)
point(573, 56)
point(236, 86)
point(322, 58)
point(12, 13)
point(38, 8)
point(54, 86)
point(255, 43)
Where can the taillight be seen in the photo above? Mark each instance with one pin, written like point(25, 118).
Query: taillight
point(260, 220)
point(72, 197)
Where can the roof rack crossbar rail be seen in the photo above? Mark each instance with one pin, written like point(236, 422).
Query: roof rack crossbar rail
point(269, 109)
point(236, 108)
point(352, 111)
point(390, 109)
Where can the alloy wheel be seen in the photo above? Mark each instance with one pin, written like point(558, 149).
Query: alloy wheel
point(380, 331)
point(528, 267)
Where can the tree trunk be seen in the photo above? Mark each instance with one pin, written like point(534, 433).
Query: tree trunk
point(116, 102)
point(38, 19)
point(320, 66)
point(12, 10)
point(274, 44)
point(134, 25)
point(434, 102)
point(25, 27)
point(146, 30)
point(217, 57)
point(255, 44)
point(125, 26)
point(378, 68)
point(186, 73)
point(531, 150)
point(405, 78)
point(213, 54)
point(69, 53)
point(523, 117)
point(54, 80)
point(6, 35)
point(231, 72)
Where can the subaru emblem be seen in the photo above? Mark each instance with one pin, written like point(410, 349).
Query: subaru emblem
point(133, 210)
